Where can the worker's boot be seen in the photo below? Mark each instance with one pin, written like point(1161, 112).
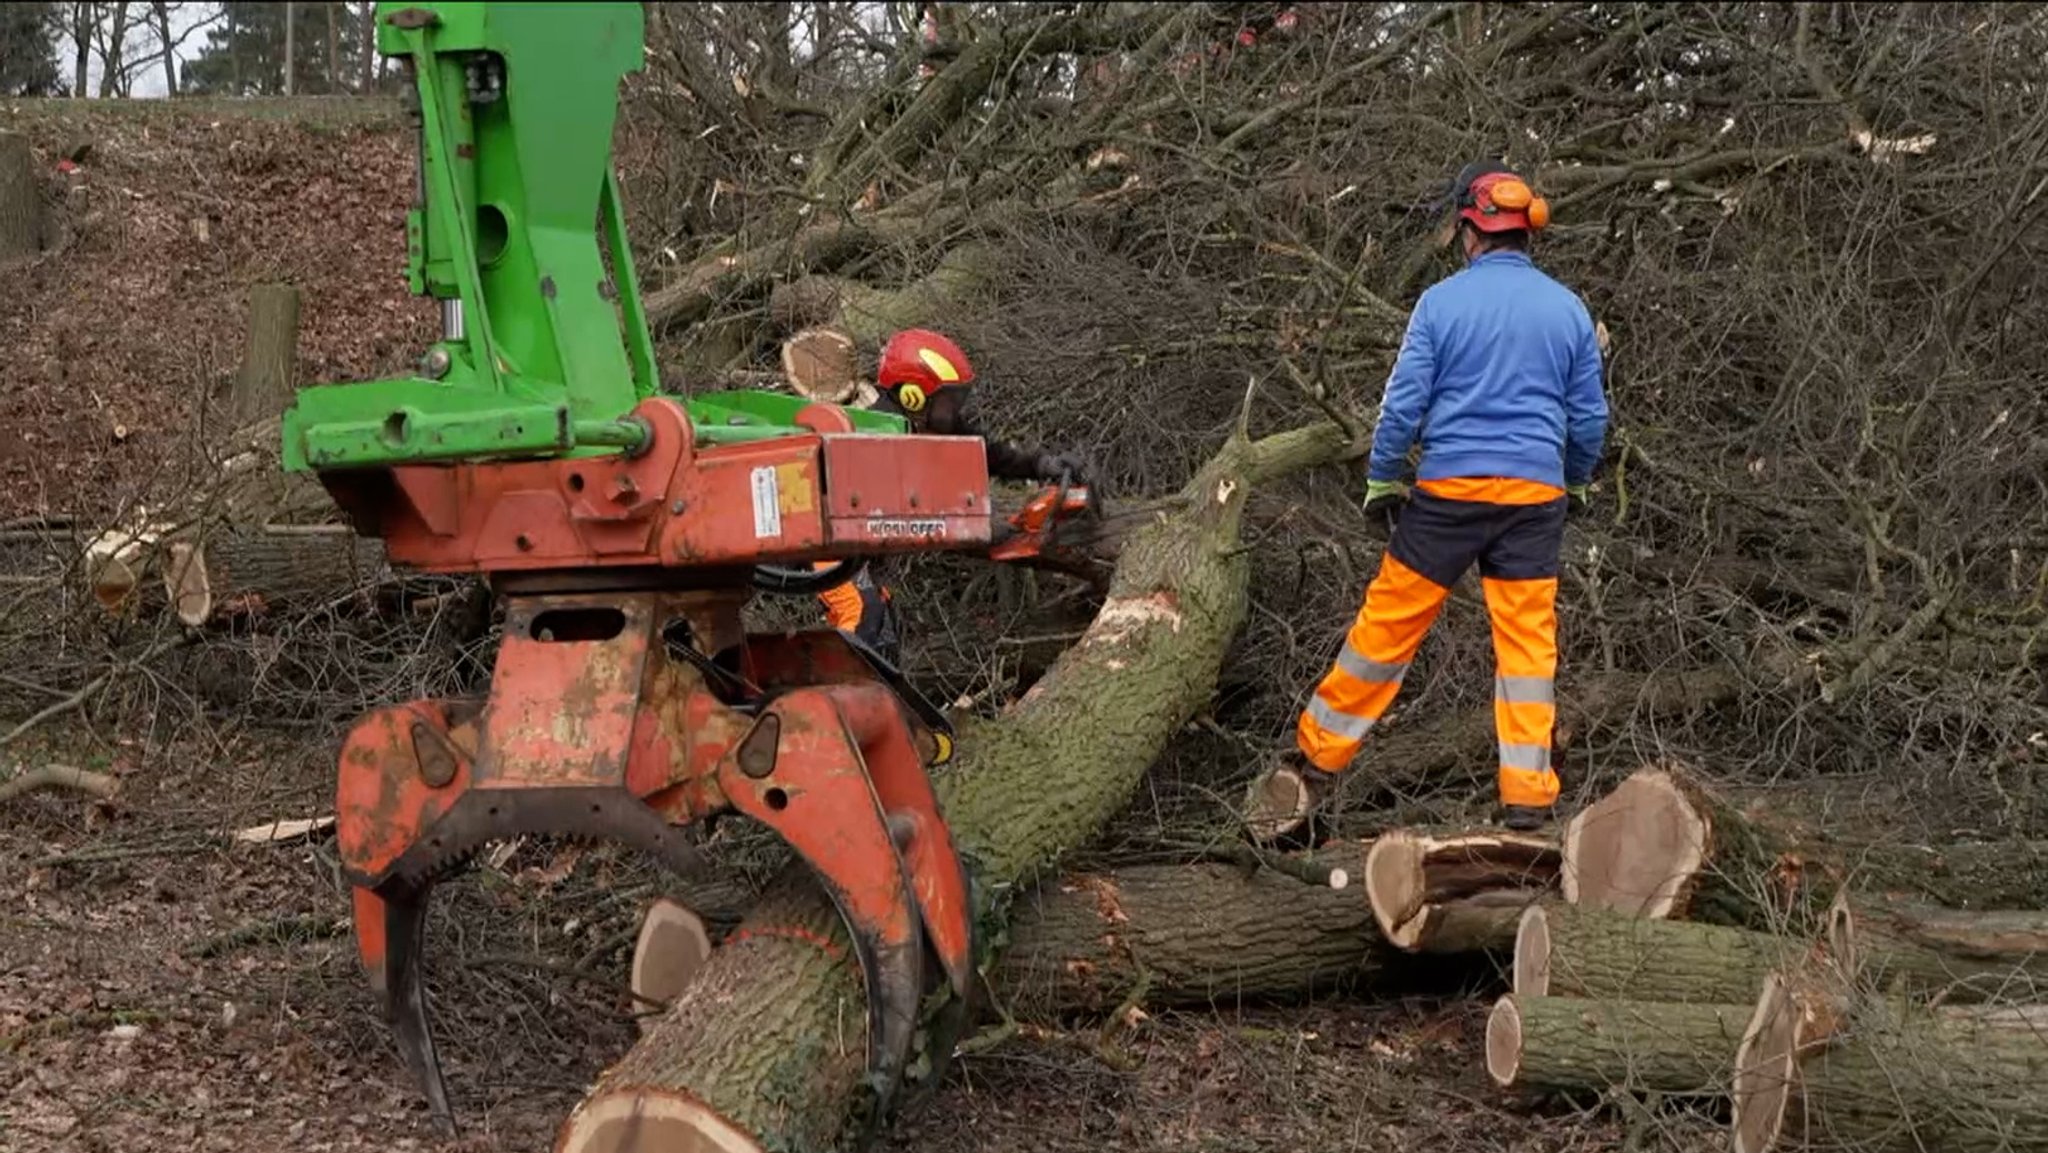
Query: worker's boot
point(1525, 818)
point(1285, 798)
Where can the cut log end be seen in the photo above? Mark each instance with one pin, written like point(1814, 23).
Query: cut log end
point(818, 363)
point(671, 951)
point(1504, 1041)
point(1279, 804)
point(1532, 953)
point(1394, 883)
point(1638, 850)
point(1765, 1065)
point(648, 1121)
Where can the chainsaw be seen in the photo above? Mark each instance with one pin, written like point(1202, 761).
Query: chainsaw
point(621, 530)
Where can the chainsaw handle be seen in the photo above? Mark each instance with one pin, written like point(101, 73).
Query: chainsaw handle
point(770, 578)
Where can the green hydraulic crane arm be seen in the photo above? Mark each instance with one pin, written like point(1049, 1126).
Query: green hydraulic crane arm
point(518, 230)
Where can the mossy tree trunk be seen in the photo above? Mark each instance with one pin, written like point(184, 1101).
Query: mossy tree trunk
point(766, 1049)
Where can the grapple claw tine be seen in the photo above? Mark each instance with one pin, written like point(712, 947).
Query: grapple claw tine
point(895, 983)
point(405, 996)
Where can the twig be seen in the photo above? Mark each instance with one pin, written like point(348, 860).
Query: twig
point(92, 687)
point(559, 969)
point(127, 853)
point(98, 785)
point(301, 926)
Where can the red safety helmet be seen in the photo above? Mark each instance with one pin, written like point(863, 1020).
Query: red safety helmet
point(1493, 198)
point(918, 362)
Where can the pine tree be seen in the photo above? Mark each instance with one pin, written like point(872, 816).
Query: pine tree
point(28, 50)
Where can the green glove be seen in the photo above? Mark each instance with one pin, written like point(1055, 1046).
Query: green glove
point(1381, 493)
point(1581, 494)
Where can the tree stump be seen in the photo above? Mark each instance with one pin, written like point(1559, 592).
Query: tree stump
point(21, 206)
point(263, 388)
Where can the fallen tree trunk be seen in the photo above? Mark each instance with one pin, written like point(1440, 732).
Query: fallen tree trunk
point(1660, 846)
point(1566, 1043)
point(250, 533)
point(259, 571)
point(1412, 879)
point(1813, 1070)
point(1186, 935)
point(1924, 952)
point(1164, 935)
point(1570, 951)
point(766, 1049)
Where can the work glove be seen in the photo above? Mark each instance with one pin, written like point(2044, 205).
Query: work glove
point(1054, 465)
point(1383, 501)
point(1580, 496)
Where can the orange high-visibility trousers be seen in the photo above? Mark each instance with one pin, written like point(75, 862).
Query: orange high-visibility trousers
point(1513, 530)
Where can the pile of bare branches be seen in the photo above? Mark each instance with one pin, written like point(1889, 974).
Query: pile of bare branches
point(1807, 228)
point(1818, 546)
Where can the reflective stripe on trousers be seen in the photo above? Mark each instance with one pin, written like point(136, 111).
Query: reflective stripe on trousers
point(1514, 541)
point(1524, 617)
point(1356, 692)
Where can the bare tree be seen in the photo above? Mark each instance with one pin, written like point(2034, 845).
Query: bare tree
point(161, 11)
point(291, 44)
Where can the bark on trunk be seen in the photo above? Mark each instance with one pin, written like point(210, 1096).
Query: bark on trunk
point(1567, 951)
point(268, 570)
point(1186, 935)
point(1409, 874)
point(1918, 951)
point(1566, 1043)
point(21, 206)
point(264, 386)
point(766, 1049)
point(1885, 1077)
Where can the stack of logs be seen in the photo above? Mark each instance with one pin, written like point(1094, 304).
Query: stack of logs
point(1670, 945)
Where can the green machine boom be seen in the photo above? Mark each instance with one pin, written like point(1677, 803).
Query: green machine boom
point(518, 230)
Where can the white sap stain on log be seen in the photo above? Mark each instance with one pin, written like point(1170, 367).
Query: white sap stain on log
point(1122, 616)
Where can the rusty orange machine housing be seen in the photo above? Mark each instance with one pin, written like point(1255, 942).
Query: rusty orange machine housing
point(628, 703)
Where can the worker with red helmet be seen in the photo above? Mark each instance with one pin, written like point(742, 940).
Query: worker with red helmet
point(926, 379)
point(1499, 378)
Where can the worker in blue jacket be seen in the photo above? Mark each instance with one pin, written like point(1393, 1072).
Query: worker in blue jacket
point(1499, 379)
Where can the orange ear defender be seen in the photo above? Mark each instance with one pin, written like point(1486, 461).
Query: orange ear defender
point(911, 397)
point(1512, 195)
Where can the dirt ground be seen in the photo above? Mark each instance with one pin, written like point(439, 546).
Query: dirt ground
point(165, 988)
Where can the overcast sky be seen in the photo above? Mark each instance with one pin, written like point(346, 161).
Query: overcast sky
point(150, 81)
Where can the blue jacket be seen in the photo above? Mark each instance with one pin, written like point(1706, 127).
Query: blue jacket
point(1499, 376)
